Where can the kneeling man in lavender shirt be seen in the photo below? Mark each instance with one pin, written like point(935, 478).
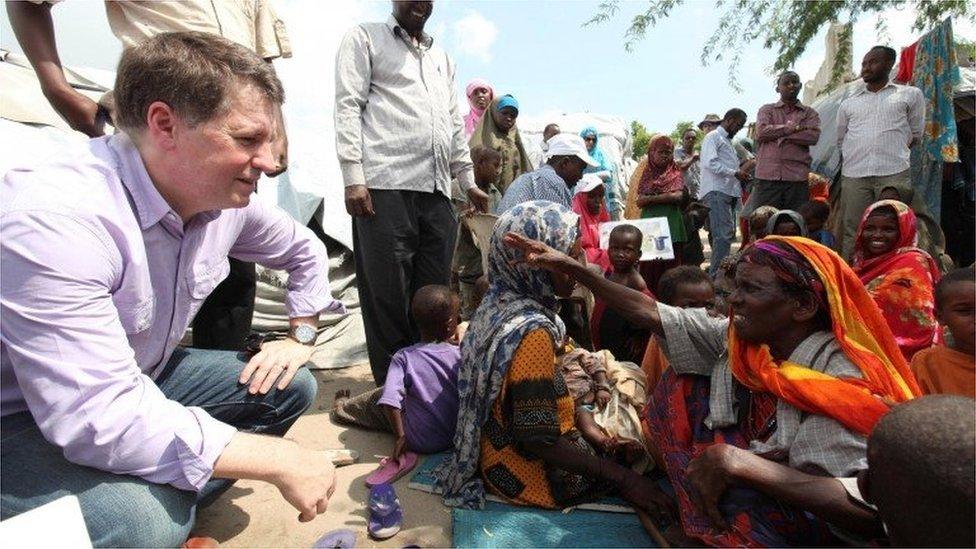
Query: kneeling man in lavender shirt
point(106, 255)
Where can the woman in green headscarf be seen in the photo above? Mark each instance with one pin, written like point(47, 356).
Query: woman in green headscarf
point(496, 130)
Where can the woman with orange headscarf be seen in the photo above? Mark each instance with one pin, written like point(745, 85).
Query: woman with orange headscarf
point(796, 378)
point(899, 276)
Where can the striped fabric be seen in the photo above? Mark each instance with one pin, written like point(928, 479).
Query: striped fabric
point(875, 128)
point(396, 114)
point(542, 184)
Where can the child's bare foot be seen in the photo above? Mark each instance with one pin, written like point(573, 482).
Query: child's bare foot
point(340, 396)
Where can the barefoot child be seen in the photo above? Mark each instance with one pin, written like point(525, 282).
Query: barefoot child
point(609, 330)
point(952, 368)
point(419, 402)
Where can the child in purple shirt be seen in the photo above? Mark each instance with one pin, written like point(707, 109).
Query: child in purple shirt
point(419, 401)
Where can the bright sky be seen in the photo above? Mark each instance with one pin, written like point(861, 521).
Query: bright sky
point(538, 51)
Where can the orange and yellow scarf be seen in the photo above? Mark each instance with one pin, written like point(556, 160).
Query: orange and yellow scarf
point(863, 335)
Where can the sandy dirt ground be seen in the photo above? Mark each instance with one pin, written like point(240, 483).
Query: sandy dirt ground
point(253, 514)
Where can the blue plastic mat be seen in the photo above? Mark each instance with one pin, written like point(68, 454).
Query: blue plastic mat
point(610, 522)
point(502, 525)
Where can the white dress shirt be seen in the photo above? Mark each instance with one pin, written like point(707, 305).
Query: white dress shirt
point(875, 128)
point(719, 162)
point(397, 121)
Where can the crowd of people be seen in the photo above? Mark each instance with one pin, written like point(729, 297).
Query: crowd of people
point(814, 384)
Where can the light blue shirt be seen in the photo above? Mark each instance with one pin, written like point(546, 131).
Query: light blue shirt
point(719, 162)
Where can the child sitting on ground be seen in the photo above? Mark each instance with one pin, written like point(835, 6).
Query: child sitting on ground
point(609, 329)
point(815, 214)
point(952, 368)
point(467, 258)
point(419, 402)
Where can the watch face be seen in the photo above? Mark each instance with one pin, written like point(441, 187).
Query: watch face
point(304, 333)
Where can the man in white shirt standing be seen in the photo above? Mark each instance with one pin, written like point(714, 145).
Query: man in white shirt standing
point(876, 127)
point(400, 139)
point(721, 179)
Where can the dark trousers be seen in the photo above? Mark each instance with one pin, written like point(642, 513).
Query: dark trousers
point(405, 246)
point(782, 195)
point(224, 320)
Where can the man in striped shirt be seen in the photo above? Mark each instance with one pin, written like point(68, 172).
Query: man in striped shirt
point(876, 126)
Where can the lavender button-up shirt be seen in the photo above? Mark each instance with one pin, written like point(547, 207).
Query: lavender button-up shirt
point(100, 278)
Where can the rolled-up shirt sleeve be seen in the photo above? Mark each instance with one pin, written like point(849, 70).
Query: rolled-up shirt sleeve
point(352, 79)
point(694, 341)
point(270, 237)
point(65, 340)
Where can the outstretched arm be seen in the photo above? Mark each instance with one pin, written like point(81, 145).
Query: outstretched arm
point(636, 307)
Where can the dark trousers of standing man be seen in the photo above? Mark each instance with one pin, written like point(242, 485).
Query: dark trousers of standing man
point(407, 244)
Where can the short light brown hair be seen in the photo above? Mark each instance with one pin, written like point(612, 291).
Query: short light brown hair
point(191, 72)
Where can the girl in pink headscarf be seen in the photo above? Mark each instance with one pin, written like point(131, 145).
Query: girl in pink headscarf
point(479, 93)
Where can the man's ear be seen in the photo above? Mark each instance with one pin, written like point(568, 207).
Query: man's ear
point(161, 125)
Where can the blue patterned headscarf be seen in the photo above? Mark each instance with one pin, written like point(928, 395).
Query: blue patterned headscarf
point(519, 299)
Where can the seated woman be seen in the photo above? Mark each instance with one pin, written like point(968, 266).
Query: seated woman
point(516, 436)
point(497, 130)
point(588, 203)
point(798, 376)
point(898, 275)
point(658, 190)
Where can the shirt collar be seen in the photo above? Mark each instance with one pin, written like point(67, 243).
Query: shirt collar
point(863, 88)
point(722, 132)
point(426, 40)
point(150, 206)
point(780, 104)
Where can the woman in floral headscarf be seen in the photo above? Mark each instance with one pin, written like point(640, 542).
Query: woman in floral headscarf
point(898, 275)
point(516, 435)
point(479, 93)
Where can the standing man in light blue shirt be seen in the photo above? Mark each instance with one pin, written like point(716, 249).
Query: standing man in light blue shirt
point(721, 180)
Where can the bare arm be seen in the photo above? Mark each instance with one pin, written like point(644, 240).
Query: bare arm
point(305, 478)
point(34, 28)
point(722, 466)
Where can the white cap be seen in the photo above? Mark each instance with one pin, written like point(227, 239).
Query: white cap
point(587, 183)
point(569, 144)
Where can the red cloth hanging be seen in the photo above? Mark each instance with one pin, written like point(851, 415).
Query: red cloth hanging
point(906, 66)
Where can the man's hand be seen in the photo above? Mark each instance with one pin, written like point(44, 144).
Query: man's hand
point(306, 479)
point(537, 254)
point(79, 111)
point(277, 359)
point(743, 176)
point(478, 198)
point(359, 203)
point(711, 475)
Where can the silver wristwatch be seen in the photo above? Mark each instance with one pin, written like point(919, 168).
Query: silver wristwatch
point(304, 334)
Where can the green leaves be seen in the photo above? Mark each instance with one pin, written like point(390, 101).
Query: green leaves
point(785, 26)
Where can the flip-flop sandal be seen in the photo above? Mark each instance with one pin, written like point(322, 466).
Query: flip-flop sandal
point(342, 538)
point(385, 513)
point(341, 457)
point(391, 469)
